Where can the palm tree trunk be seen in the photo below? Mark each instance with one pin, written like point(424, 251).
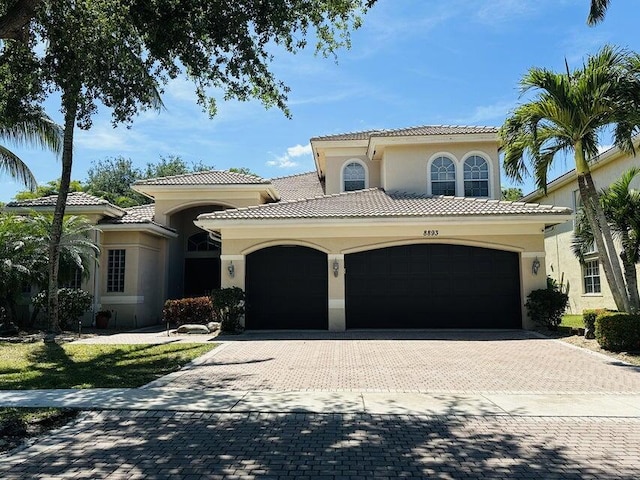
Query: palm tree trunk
point(630, 274)
point(70, 105)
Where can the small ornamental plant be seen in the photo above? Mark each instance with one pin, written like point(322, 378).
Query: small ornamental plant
point(72, 304)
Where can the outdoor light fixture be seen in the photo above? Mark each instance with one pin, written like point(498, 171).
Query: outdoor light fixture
point(231, 269)
point(336, 267)
point(535, 266)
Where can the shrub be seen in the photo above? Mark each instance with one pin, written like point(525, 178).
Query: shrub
point(228, 305)
point(188, 310)
point(589, 320)
point(618, 331)
point(546, 306)
point(72, 304)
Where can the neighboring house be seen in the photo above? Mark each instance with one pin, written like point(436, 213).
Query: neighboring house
point(588, 287)
point(395, 229)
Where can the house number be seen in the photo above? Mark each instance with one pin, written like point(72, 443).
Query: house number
point(430, 233)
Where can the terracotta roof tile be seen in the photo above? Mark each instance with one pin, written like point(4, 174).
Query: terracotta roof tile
point(73, 199)
point(374, 202)
point(210, 177)
point(410, 131)
point(141, 214)
point(296, 187)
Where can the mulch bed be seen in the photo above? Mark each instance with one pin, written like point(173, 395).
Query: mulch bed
point(15, 429)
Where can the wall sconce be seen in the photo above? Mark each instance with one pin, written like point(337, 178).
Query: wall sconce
point(535, 266)
point(336, 268)
point(231, 269)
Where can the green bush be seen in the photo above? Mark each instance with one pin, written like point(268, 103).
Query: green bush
point(546, 306)
point(589, 319)
point(197, 310)
point(72, 304)
point(618, 331)
point(228, 305)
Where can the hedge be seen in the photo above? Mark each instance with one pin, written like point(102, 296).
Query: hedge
point(618, 331)
point(197, 310)
point(589, 320)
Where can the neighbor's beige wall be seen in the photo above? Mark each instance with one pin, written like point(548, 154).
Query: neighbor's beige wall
point(562, 265)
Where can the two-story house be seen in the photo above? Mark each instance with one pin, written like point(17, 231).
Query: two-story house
point(394, 229)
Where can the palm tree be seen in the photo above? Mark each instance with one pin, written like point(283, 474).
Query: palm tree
point(621, 205)
point(597, 11)
point(40, 131)
point(567, 114)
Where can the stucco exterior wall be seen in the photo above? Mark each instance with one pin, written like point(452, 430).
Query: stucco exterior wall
point(562, 265)
point(337, 159)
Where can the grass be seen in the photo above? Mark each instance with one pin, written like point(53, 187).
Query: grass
point(16, 424)
point(574, 321)
point(50, 365)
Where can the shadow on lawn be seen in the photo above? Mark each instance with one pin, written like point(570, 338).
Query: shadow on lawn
point(360, 445)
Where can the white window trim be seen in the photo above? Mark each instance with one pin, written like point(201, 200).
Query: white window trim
point(486, 158)
point(584, 276)
point(354, 160)
point(456, 164)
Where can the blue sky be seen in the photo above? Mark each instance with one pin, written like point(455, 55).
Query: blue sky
point(413, 62)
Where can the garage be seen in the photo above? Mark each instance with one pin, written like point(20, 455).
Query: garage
point(286, 288)
point(433, 286)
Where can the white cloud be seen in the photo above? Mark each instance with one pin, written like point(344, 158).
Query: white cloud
point(486, 113)
point(287, 159)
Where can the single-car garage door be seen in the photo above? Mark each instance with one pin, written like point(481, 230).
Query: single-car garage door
point(286, 287)
point(433, 286)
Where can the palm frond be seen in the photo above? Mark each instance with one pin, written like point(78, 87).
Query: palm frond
point(11, 164)
point(597, 11)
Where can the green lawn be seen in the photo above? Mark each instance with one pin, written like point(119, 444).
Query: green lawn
point(39, 365)
point(574, 321)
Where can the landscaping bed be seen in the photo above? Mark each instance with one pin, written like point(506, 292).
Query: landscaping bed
point(18, 424)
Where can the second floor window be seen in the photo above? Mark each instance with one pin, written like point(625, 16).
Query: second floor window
point(115, 270)
point(476, 177)
point(443, 177)
point(353, 176)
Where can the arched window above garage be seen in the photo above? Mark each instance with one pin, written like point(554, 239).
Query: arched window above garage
point(354, 177)
point(476, 177)
point(201, 242)
point(443, 176)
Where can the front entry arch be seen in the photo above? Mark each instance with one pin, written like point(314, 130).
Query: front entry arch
point(286, 287)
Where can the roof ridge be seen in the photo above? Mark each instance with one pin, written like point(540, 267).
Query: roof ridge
point(201, 172)
point(383, 131)
point(291, 176)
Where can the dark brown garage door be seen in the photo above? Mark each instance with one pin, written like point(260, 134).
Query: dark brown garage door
point(433, 286)
point(286, 287)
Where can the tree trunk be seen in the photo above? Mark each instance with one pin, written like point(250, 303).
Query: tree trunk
point(70, 105)
point(630, 274)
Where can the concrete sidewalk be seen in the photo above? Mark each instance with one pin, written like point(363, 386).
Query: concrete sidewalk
point(383, 403)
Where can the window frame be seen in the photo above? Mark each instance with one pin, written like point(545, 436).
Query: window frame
point(591, 279)
point(488, 181)
point(366, 174)
point(430, 180)
point(116, 266)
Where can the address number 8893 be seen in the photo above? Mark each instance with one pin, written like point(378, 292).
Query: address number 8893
point(430, 233)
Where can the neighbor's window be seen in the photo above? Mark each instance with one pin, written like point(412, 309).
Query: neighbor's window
point(443, 177)
point(591, 277)
point(115, 270)
point(353, 176)
point(476, 177)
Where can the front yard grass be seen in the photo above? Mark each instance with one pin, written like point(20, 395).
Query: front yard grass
point(51, 365)
point(574, 321)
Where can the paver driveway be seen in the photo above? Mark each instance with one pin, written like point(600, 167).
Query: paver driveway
point(461, 362)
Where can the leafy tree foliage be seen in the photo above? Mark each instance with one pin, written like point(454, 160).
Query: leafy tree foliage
point(512, 194)
point(567, 113)
point(49, 188)
point(243, 170)
point(173, 165)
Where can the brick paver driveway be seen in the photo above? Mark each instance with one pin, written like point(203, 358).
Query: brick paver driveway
point(462, 362)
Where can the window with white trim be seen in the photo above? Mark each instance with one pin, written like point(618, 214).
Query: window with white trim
point(591, 276)
point(353, 177)
point(115, 270)
point(443, 177)
point(476, 177)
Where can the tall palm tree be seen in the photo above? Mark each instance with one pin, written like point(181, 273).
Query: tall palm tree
point(39, 131)
point(621, 205)
point(597, 11)
point(567, 114)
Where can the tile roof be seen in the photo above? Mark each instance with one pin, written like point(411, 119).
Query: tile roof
point(375, 202)
point(141, 214)
point(210, 177)
point(296, 187)
point(410, 131)
point(73, 199)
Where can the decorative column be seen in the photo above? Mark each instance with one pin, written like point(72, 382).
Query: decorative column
point(337, 318)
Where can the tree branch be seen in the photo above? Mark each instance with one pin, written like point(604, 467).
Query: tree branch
point(17, 17)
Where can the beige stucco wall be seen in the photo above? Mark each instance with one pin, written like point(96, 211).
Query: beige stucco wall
point(338, 158)
point(562, 265)
point(337, 240)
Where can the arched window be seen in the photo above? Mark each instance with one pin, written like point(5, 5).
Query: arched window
point(201, 242)
point(443, 176)
point(476, 177)
point(353, 177)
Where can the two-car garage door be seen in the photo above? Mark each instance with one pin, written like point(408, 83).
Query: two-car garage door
point(412, 286)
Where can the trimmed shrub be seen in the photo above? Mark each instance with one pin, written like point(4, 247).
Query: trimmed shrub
point(72, 304)
point(546, 306)
point(228, 305)
point(589, 320)
point(618, 331)
point(197, 310)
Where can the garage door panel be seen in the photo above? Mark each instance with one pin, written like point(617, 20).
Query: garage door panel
point(433, 286)
point(287, 288)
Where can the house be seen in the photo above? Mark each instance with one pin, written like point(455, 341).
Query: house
point(394, 229)
point(586, 283)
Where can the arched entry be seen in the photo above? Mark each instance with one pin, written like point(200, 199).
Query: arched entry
point(286, 288)
point(433, 286)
